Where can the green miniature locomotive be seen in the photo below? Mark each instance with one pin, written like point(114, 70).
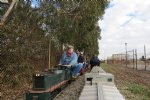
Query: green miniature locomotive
point(48, 83)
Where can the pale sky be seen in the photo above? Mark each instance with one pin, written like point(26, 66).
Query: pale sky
point(125, 21)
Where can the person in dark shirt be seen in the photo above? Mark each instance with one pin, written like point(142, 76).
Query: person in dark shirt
point(81, 58)
point(81, 62)
point(94, 61)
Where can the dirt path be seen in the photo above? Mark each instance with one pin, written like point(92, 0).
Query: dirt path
point(132, 75)
point(140, 77)
point(125, 78)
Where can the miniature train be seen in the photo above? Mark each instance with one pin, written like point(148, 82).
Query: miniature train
point(99, 85)
point(47, 84)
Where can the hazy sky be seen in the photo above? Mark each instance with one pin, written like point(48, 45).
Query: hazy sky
point(125, 21)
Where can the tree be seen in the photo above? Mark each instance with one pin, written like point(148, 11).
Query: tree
point(27, 31)
point(5, 16)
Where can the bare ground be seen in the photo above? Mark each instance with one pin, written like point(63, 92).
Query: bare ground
point(125, 77)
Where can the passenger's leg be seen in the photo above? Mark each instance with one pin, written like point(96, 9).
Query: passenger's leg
point(82, 68)
point(72, 71)
point(75, 70)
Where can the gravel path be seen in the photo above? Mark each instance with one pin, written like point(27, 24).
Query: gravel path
point(72, 91)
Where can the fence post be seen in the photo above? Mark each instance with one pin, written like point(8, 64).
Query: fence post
point(136, 57)
point(133, 58)
point(126, 53)
point(49, 54)
point(121, 60)
point(145, 56)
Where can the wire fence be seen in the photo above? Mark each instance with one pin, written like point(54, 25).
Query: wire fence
point(20, 58)
point(132, 59)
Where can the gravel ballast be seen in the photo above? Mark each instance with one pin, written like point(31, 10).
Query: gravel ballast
point(72, 91)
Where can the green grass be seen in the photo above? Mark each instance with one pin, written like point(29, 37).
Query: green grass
point(106, 67)
point(137, 89)
point(140, 90)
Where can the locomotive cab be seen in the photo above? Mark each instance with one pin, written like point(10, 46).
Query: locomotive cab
point(45, 83)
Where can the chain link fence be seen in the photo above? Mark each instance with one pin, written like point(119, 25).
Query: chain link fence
point(131, 59)
point(20, 58)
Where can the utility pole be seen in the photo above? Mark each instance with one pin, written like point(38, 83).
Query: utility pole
point(145, 56)
point(126, 53)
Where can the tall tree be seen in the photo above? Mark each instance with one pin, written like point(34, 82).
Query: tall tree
point(5, 16)
point(26, 34)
